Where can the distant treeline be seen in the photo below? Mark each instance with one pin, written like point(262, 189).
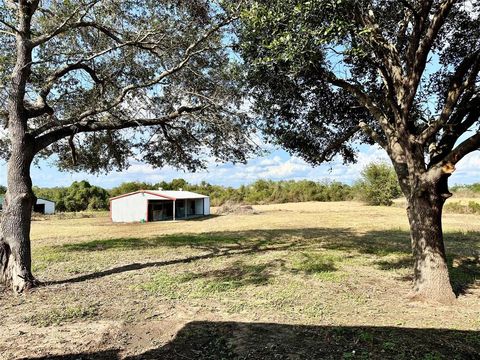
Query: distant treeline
point(466, 190)
point(81, 195)
point(378, 186)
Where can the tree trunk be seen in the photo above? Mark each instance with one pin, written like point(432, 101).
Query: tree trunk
point(15, 253)
point(431, 279)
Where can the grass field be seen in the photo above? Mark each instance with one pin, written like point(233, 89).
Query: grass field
point(293, 281)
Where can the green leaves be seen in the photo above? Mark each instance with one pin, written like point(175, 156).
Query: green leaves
point(115, 75)
point(317, 69)
point(378, 185)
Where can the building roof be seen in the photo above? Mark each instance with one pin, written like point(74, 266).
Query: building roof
point(178, 194)
point(43, 199)
point(167, 194)
point(2, 198)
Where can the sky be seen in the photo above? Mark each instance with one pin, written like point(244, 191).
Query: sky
point(276, 164)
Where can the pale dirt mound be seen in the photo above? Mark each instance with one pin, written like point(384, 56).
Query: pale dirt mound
point(236, 209)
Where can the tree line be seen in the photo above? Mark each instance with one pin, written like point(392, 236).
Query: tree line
point(377, 186)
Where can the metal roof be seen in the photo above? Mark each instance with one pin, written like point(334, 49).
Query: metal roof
point(166, 194)
point(2, 198)
point(178, 194)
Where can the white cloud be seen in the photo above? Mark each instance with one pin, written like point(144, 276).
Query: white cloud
point(277, 165)
point(468, 169)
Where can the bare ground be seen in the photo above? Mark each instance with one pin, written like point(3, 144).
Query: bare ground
point(294, 281)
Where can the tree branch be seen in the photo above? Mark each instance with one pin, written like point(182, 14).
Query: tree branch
point(464, 148)
point(64, 26)
point(372, 134)
point(457, 87)
point(11, 27)
point(41, 107)
point(420, 54)
point(98, 125)
point(189, 53)
point(383, 49)
point(364, 100)
point(470, 115)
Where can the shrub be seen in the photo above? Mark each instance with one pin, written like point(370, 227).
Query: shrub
point(378, 185)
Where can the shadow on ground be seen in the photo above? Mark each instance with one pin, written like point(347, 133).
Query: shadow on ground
point(235, 340)
point(390, 249)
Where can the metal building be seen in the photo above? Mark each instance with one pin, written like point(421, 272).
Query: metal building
point(158, 205)
point(42, 206)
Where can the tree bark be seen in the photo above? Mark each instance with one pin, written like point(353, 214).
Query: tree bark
point(431, 278)
point(15, 252)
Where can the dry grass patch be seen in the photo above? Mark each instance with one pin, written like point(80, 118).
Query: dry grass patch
point(337, 270)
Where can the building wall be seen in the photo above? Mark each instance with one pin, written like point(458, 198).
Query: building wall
point(132, 208)
point(49, 206)
point(198, 206)
point(206, 206)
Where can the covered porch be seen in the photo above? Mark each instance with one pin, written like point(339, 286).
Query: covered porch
point(179, 209)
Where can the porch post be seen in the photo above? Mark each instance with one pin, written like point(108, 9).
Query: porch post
point(174, 210)
point(186, 210)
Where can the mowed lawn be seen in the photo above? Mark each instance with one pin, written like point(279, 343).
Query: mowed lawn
point(292, 281)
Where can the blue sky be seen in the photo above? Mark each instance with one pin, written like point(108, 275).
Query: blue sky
point(275, 165)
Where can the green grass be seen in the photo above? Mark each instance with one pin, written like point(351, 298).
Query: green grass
point(62, 315)
point(312, 263)
point(47, 256)
point(209, 283)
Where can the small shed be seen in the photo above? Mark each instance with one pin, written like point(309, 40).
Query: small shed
point(158, 205)
point(42, 206)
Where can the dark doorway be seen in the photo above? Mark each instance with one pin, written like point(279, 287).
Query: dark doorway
point(39, 208)
point(159, 210)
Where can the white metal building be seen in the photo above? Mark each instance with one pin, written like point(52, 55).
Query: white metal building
point(43, 206)
point(158, 205)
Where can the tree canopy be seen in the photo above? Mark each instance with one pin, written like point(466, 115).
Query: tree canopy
point(326, 75)
point(99, 68)
point(93, 84)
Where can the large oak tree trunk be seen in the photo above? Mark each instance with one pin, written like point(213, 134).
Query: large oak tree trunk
point(431, 279)
point(15, 252)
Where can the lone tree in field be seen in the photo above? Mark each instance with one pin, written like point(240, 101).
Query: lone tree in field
point(95, 83)
point(326, 75)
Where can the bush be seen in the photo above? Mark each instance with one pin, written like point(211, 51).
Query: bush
point(79, 196)
point(472, 190)
point(378, 185)
point(472, 207)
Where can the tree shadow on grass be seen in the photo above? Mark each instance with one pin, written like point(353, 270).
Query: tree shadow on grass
point(234, 276)
point(391, 248)
point(215, 253)
point(241, 341)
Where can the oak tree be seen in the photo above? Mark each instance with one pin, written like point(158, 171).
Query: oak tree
point(327, 75)
point(92, 84)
